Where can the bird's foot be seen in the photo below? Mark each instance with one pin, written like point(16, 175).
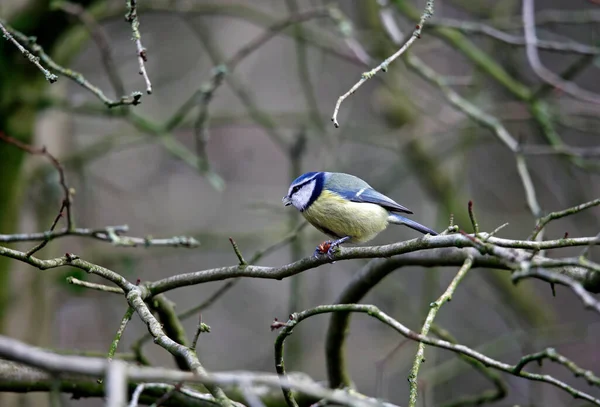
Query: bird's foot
point(323, 248)
point(329, 247)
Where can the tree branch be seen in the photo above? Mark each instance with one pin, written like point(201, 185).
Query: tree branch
point(427, 14)
point(434, 308)
point(374, 312)
point(14, 350)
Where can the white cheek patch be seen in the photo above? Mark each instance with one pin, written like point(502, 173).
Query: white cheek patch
point(302, 197)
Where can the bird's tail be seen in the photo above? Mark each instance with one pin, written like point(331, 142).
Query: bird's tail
point(401, 220)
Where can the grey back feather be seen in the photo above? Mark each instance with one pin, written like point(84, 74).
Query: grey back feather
point(356, 190)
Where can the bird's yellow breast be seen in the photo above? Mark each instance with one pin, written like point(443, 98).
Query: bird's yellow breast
point(332, 214)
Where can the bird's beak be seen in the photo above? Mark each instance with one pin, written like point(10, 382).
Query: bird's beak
point(286, 201)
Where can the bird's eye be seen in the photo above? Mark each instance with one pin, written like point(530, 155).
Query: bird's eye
point(295, 189)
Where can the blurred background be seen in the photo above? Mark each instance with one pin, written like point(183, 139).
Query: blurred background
point(269, 122)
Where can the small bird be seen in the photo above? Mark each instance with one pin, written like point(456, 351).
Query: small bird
point(346, 208)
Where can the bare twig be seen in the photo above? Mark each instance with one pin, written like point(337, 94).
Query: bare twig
point(116, 383)
point(492, 32)
point(238, 253)
point(434, 308)
point(50, 77)
point(93, 286)
point(473, 219)
point(99, 36)
point(167, 395)
point(67, 193)
point(220, 292)
point(204, 94)
point(132, 18)
point(12, 349)
point(115, 343)
point(202, 327)
point(544, 73)
point(581, 152)
point(38, 51)
point(170, 389)
point(427, 13)
point(555, 278)
point(111, 234)
point(500, 388)
point(554, 356)
point(543, 221)
point(345, 27)
point(374, 312)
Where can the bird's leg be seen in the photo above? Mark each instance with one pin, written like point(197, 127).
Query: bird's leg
point(335, 244)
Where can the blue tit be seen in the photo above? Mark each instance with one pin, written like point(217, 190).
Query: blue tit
point(346, 208)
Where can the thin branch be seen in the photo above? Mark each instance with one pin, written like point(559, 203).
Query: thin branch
point(116, 383)
point(555, 278)
point(142, 56)
point(427, 13)
point(500, 388)
point(38, 51)
point(279, 365)
point(434, 308)
point(169, 389)
point(547, 17)
point(543, 221)
point(115, 342)
point(220, 292)
point(530, 193)
point(12, 349)
point(580, 152)
point(6, 33)
point(101, 39)
point(165, 397)
point(485, 120)
point(66, 203)
point(346, 29)
point(302, 67)
point(471, 27)
point(374, 312)
point(239, 255)
point(473, 219)
point(202, 327)
point(535, 62)
point(539, 110)
point(507, 260)
point(111, 234)
point(204, 94)
point(19, 378)
point(287, 330)
point(134, 298)
point(502, 257)
point(93, 286)
point(554, 356)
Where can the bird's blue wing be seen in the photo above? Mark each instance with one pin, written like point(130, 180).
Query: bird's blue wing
point(369, 195)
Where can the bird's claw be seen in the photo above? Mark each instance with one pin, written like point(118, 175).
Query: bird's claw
point(331, 251)
point(324, 248)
